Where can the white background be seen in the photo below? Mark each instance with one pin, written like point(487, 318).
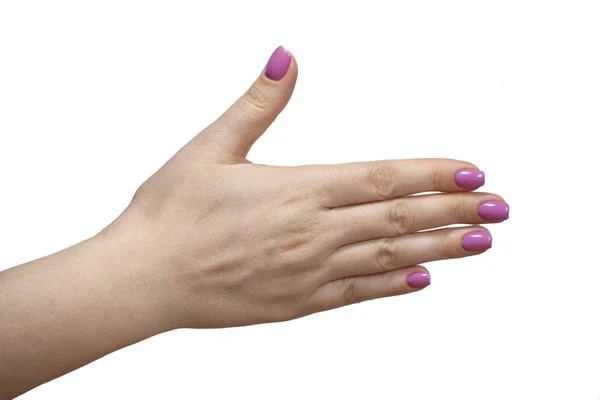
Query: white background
point(95, 96)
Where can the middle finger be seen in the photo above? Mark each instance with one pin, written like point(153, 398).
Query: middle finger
point(406, 215)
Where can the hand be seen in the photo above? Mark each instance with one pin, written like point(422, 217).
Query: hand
point(230, 243)
point(212, 240)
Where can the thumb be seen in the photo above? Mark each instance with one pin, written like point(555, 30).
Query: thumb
point(248, 118)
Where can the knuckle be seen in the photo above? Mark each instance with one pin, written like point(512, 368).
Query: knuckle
point(257, 98)
point(447, 248)
point(387, 255)
point(350, 292)
point(381, 177)
point(461, 207)
point(401, 220)
point(391, 286)
point(438, 178)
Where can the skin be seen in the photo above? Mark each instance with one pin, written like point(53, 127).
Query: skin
point(212, 241)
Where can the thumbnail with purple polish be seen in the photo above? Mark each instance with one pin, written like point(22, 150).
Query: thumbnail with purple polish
point(477, 241)
point(418, 279)
point(493, 210)
point(278, 64)
point(470, 178)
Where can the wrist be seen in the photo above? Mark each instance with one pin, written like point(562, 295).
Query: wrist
point(128, 260)
point(77, 305)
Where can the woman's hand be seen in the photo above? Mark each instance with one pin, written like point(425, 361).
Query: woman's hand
point(226, 242)
point(212, 240)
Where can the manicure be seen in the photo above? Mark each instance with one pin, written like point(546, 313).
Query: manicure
point(278, 64)
point(477, 241)
point(493, 210)
point(418, 279)
point(469, 178)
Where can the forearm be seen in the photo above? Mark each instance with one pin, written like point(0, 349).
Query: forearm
point(68, 309)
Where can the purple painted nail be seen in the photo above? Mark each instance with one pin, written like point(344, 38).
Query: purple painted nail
point(477, 241)
point(493, 210)
point(418, 279)
point(469, 178)
point(278, 64)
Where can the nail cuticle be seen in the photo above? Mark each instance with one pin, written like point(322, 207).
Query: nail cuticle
point(477, 241)
point(469, 178)
point(493, 210)
point(278, 64)
point(418, 279)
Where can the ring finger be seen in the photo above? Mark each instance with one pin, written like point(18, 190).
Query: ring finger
point(383, 255)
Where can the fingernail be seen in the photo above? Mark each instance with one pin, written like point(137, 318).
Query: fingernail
point(493, 210)
point(477, 241)
point(278, 64)
point(469, 178)
point(418, 279)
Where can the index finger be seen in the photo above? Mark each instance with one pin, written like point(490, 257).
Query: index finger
point(363, 182)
